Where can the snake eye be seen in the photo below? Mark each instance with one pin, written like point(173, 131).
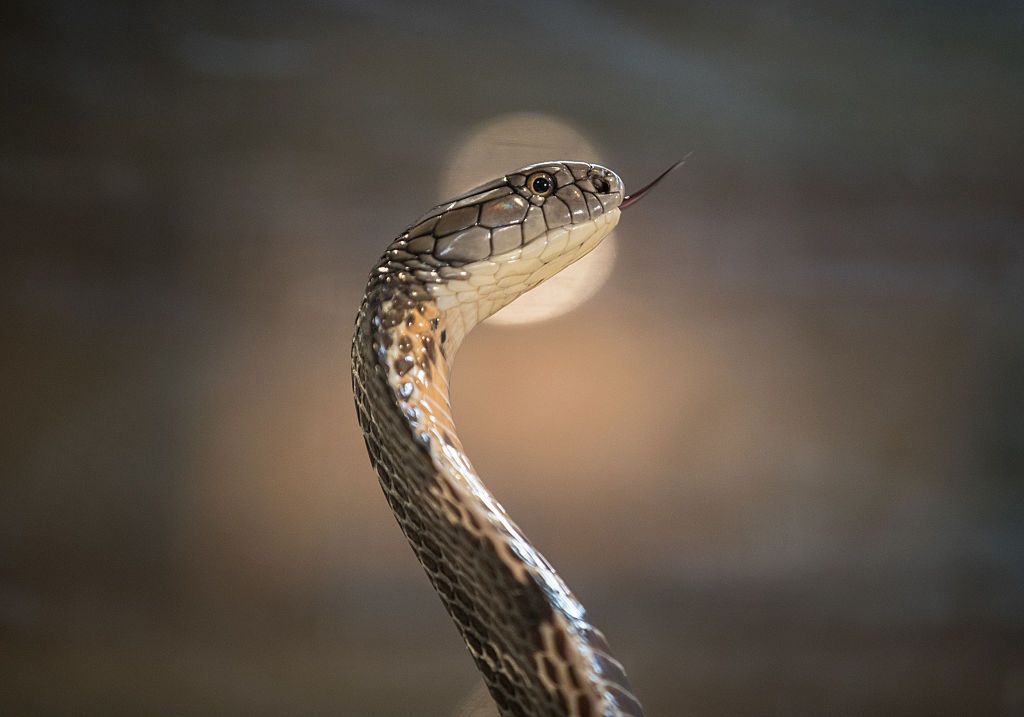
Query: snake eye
point(601, 184)
point(541, 184)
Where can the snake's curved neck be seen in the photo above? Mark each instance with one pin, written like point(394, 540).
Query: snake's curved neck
point(528, 634)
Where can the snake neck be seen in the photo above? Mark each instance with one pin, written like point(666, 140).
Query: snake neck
point(528, 634)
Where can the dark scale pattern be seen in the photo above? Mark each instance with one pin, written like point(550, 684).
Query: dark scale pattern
point(506, 622)
point(491, 609)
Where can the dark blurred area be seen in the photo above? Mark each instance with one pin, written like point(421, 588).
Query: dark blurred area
point(779, 456)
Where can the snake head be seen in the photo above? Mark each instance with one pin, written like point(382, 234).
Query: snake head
point(515, 210)
point(484, 248)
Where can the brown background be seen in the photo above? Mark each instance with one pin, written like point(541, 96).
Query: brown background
point(779, 455)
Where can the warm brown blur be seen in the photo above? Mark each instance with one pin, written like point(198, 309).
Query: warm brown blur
point(779, 455)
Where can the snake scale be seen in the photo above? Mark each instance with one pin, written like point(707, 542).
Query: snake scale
point(461, 262)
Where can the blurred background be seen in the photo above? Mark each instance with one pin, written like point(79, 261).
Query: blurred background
point(778, 454)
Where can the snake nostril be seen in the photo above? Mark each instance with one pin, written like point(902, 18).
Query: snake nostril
point(601, 185)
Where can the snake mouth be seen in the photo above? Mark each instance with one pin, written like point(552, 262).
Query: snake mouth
point(635, 196)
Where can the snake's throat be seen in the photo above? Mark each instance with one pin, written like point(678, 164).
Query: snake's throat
point(492, 284)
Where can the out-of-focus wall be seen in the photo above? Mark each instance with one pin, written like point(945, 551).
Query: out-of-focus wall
point(779, 455)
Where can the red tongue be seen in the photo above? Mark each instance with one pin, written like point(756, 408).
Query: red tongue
point(635, 196)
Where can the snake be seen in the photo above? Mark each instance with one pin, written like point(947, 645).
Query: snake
point(529, 636)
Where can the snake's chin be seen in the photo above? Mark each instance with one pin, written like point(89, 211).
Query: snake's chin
point(491, 284)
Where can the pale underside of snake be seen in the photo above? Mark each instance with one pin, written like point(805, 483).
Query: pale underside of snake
point(461, 262)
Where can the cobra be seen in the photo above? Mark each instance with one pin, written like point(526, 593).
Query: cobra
point(465, 259)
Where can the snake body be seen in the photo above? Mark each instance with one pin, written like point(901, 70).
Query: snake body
point(465, 259)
